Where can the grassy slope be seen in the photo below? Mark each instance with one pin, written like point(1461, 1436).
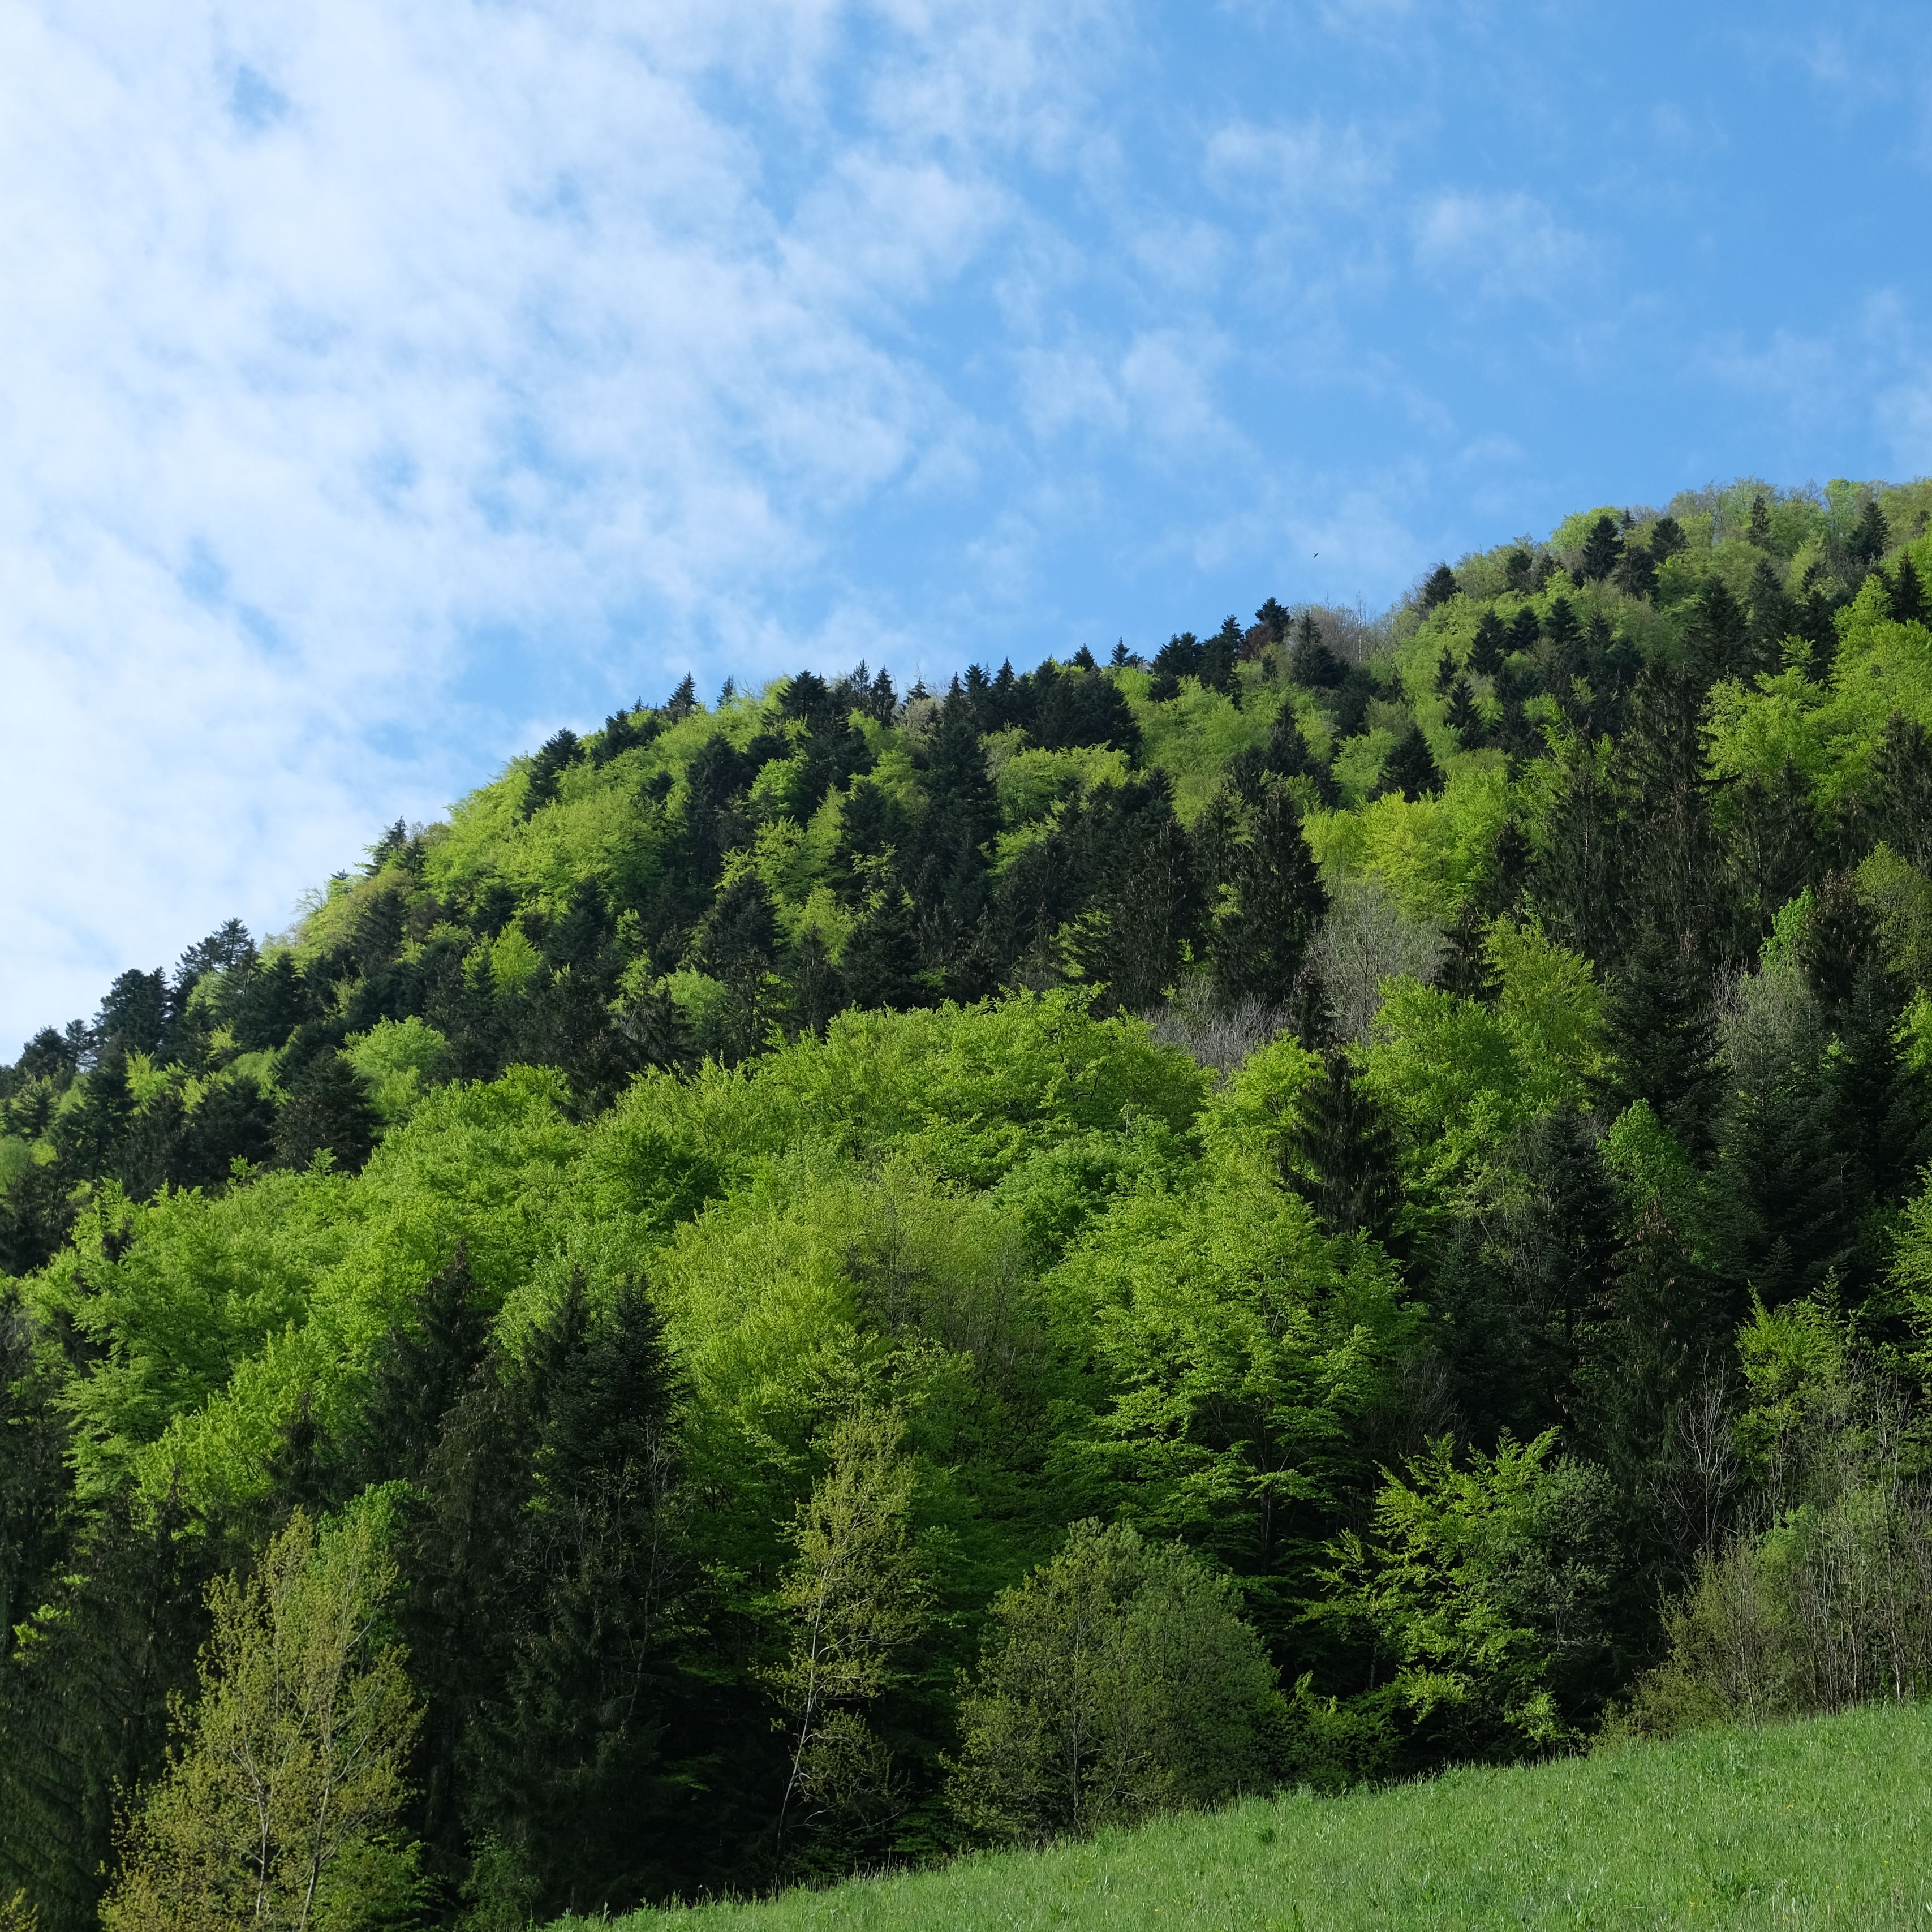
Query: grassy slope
point(1826, 1823)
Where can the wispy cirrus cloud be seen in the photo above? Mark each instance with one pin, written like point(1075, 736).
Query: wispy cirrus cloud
point(1503, 247)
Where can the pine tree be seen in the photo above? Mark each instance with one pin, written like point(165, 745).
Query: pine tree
point(1772, 617)
point(1280, 901)
point(1759, 530)
point(1518, 570)
point(1411, 769)
point(574, 1778)
point(1637, 572)
point(1463, 717)
point(1717, 638)
point(84, 1706)
point(1667, 539)
point(1312, 663)
point(1901, 803)
point(1663, 1028)
point(1274, 620)
point(1288, 756)
point(817, 986)
point(1439, 587)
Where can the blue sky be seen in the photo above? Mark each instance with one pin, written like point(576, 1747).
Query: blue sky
point(382, 387)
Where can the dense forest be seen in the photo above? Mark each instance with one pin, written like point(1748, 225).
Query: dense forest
point(815, 1282)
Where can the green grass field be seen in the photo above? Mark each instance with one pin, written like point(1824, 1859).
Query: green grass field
point(1827, 1823)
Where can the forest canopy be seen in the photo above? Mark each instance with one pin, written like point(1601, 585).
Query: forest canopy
point(823, 1279)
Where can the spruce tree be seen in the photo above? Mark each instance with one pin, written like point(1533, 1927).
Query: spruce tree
point(1340, 1153)
point(421, 1371)
point(1158, 914)
point(1900, 809)
point(1603, 548)
point(1717, 638)
point(1439, 587)
point(1491, 641)
point(1908, 594)
point(881, 960)
point(1869, 540)
point(1663, 1033)
point(1411, 769)
point(1262, 940)
point(329, 1111)
point(1464, 718)
point(1758, 530)
point(1771, 618)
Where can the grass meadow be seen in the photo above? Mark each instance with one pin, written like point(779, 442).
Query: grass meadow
point(1827, 1822)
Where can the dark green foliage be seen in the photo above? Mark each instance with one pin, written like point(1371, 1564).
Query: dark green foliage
point(1668, 1057)
point(84, 1703)
point(1341, 1153)
point(558, 754)
point(1908, 594)
point(328, 1111)
point(1311, 662)
point(1603, 551)
point(1411, 769)
point(1869, 540)
point(1279, 901)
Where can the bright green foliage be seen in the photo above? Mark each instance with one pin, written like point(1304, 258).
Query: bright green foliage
point(280, 1805)
point(1483, 1586)
point(760, 1166)
point(1115, 1681)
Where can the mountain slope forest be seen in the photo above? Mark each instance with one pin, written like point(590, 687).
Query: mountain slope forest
point(811, 1283)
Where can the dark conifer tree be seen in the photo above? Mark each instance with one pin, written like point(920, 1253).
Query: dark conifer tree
point(681, 703)
point(1663, 1033)
point(1667, 539)
point(1868, 541)
point(555, 756)
point(84, 1708)
point(1518, 569)
point(1718, 637)
point(1771, 621)
point(1411, 769)
point(1637, 572)
point(421, 1372)
point(1312, 663)
point(1491, 641)
point(1274, 620)
point(881, 960)
point(1525, 628)
point(328, 1110)
point(1900, 809)
point(1439, 587)
point(1908, 594)
point(1463, 717)
point(1158, 913)
point(1262, 940)
point(1758, 531)
point(1288, 755)
point(1602, 550)
point(1341, 1154)
point(817, 986)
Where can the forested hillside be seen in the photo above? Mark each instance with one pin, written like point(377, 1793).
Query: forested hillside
point(818, 1281)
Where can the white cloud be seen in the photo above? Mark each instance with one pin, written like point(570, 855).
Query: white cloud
point(1291, 169)
point(343, 346)
point(1504, 248)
